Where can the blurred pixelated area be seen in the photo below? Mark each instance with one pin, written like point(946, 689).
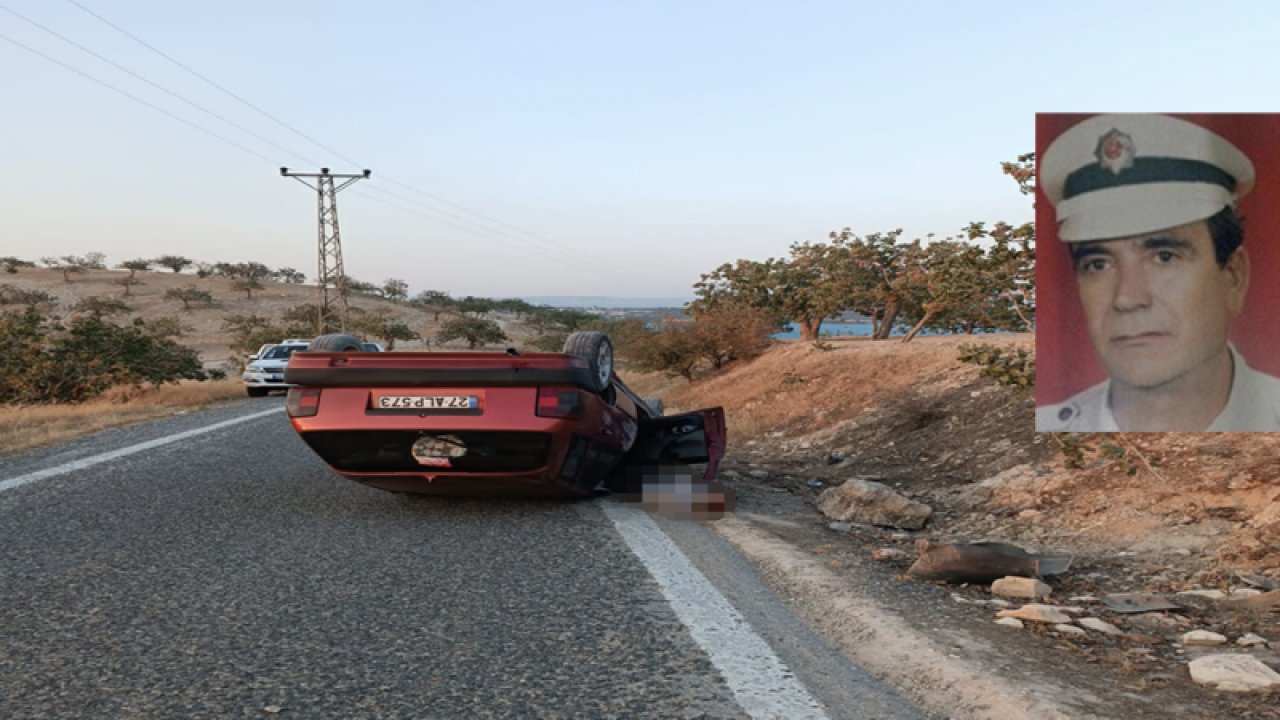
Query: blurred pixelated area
point(675, 491)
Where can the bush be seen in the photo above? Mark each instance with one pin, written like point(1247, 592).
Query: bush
point(45, 363)
point(1016, 367)
point(10, 295)
point(716, 337)
point(474, 330)
point(250, 332)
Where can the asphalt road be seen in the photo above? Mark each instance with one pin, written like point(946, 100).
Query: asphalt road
point(230, 574)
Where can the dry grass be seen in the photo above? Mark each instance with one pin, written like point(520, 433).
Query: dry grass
point(31, 426)
point(206, 334)
point(799, 388)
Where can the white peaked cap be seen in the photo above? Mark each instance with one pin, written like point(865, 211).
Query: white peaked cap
point(1120, 175)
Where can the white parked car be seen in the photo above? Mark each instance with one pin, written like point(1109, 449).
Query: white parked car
point(266, 372)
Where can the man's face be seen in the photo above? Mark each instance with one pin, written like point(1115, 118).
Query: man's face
point(1158, 306)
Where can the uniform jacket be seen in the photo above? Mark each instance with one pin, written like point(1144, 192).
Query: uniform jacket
point(1253, 405)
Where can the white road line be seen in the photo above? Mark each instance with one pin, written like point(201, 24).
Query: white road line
point(763, 685)
point(92, 460)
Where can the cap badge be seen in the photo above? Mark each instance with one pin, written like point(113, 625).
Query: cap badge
point(1115, 151)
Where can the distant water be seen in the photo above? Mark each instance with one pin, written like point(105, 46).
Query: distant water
point(861, 329)
point(857, 329)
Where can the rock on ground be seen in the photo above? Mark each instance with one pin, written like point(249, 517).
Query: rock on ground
point(1100, 625)
point(1211, 594)
point(1203, 638)
point(1237, 673)
point(1036, 612)
point(864, 501)
point(1021, 587)
point(1251, 639)
point(887, 554)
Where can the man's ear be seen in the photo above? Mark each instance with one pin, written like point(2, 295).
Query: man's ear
point(1237, 270)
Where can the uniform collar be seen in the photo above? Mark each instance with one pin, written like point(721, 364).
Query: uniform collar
point(1239, 403)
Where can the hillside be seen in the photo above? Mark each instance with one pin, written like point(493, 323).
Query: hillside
point(206, 335)
point(1192, 508)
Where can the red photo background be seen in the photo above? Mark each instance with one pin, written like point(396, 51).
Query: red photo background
point(1065, 360)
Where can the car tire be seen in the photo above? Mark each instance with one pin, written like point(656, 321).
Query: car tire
point(655, 405)
point(338, 342)
point(598, 351)
point(257, 391)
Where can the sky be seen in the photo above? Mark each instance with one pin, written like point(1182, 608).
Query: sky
point(567, 148)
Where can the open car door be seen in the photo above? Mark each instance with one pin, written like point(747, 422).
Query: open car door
point(657, 474)
point(688, 439)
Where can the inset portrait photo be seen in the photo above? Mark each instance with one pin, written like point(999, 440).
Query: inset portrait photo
point(1158, 272)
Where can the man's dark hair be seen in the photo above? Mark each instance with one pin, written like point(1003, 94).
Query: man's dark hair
point(1226, 228)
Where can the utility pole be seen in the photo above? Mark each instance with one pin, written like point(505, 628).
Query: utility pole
point(332, 311)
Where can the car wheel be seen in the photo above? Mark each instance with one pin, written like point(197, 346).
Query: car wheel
point(257, 391)
point(337, 342)
point(655, 405)
point(598, 351)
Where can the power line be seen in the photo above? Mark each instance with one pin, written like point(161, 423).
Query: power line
point(441, 200)
point(585, 262)
point(487, 234)
point(137, 99)
point(175, 61)
point(156, 85)
point(483, 232)
point(534, 236)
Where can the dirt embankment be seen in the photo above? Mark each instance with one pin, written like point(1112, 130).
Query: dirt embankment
point(1156, 513)
point(916, 418)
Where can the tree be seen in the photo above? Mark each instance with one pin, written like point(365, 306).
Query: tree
point(798, 290)
point(436, 301)
point(475, 305)
point(175, 263)
point(870, 272)
point(68, 264)
point(250, 332)
point(474, 330)
point(247, 270)
point(291, 276)
point(12, 264)
point(247, 285)
point(945, 275)
point(100, 307)
point(10, 295)
point(382, 325)
point(673, 350)
point(189, 294)
point(45, 362)
point(732, 332)
point(1023, 172)
point(169, 326)
point(564, 320)
point(395, 290)
point(128, 282)
point(304, 314)
point(515, 306)
point(133, 266)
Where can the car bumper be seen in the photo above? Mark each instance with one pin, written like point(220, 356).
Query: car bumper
point(265, 380)
point(516, 452)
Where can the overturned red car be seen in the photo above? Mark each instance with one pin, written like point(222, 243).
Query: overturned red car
point(467, 423)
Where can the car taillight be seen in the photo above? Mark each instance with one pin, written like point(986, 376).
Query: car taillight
point(557, 402)
point(302, 402)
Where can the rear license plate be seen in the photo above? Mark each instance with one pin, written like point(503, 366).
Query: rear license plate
point(399, 401)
